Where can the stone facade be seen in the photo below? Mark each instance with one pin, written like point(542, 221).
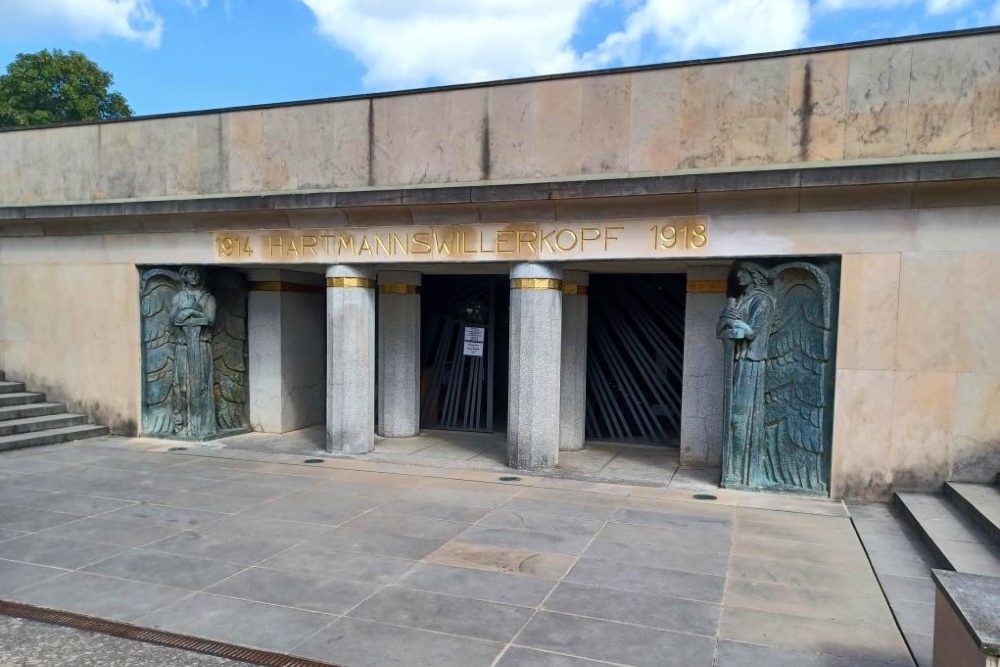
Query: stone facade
point(883, 155)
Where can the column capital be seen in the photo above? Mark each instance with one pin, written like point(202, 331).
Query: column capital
point(535, 270)
point(342, 275)
point(349, 271)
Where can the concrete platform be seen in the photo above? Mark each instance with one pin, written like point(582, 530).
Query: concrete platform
point(599, 461)
point(372, 564)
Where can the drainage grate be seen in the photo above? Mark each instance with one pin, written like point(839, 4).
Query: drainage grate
point(704, 496)
point(170, 639)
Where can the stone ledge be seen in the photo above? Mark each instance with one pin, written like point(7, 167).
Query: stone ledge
point(841, 175)
point(975, 599)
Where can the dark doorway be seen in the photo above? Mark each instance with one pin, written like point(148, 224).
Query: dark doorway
point(463, 351)
point(635, 358)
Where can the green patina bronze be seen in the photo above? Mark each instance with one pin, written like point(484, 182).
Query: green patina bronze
point(194, 352)
point(778, 331)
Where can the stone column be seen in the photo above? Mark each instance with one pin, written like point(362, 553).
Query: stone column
point(701, 401)
point(350, 359)
point(535, 368)
point(286, 333)
point(573, 378)
point(398, 354)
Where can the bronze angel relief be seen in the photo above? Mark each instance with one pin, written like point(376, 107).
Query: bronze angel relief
point(777, 331)
point(194, 353)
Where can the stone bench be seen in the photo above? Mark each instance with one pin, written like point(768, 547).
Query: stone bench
point(966, 620)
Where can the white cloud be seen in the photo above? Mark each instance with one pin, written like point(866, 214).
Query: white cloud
point(932, 6)
point(946, 6)
point(724, 27)
point(840, 5)
point(408, 43)
point(404, 43)
point(414, 42)
point(133, 20)
point(995, 14)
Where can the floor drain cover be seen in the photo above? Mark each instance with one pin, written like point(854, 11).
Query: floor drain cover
point(177, 449)
point(314, 460)
point(510, 479)
point(704, 496)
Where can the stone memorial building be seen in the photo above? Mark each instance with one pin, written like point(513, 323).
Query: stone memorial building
point(786, 265)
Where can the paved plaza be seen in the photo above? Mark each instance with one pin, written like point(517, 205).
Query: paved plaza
point(371, 564)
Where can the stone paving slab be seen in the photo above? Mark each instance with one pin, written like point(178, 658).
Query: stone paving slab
point(244, 622)
point(371, 564)
point(902, 564)
point(500, 587)
point(359, 643)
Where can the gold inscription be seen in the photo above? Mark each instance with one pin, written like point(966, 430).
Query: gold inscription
point(468, 243)
point(690, 236)
point(233, 246)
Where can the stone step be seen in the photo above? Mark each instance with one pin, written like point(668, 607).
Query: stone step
point(979, 502)
point(42, 423)
point(51, 436)
point(21, 398)
point(955, 541)
point(10, 387)
point(31, 410)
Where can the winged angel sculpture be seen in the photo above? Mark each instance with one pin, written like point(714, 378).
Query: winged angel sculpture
point(194, 354)
point(777, 333)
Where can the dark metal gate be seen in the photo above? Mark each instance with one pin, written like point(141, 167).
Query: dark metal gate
point(635, 357)
point(457, 350)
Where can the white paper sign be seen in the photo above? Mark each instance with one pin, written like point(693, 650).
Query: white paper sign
point(475, 335)
point(473, 349)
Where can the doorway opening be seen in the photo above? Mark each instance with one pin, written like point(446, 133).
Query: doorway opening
point(464, 352)
point(635, 358)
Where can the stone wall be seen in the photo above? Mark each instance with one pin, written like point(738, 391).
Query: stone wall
point(917, 98)
point(70, 329)
point(918, 374)
point(918, 379)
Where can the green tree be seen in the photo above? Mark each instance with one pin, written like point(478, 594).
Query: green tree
point(55, 87)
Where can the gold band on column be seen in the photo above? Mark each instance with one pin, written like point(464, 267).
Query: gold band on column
point(398, 288)
point(707, 286)
point(536, 283)
point(279, 286)
point(350, 282)
point(575, 290)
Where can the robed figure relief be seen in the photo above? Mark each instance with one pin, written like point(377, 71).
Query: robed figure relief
point(777, 334)
point(194, 354)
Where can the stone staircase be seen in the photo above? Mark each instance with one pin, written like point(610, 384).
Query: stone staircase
point(28, 420)
point(960, 528)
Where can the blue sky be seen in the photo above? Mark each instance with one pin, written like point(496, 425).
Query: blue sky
point(184, 55)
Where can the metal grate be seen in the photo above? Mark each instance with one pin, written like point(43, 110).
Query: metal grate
point(635, 358)
point(160, 637)
point(456, 390)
